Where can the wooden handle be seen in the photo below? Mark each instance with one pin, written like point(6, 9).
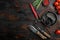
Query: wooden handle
point(47, 34)
point(41, 35)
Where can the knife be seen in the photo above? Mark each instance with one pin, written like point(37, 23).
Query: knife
point(34, 30)
point(45, 33)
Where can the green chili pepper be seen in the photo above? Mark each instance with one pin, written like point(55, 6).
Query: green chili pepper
point(37, 3)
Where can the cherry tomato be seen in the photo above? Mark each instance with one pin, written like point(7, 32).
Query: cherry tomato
point(59, 12)
point(46, 2)
point(57, 32)
point(58, 7)
point(56, 3)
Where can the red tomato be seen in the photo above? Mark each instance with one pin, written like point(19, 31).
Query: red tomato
point(46, 2)
point(59, 12)
point(58, 7)
point(56, 3)
point(57, 32)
